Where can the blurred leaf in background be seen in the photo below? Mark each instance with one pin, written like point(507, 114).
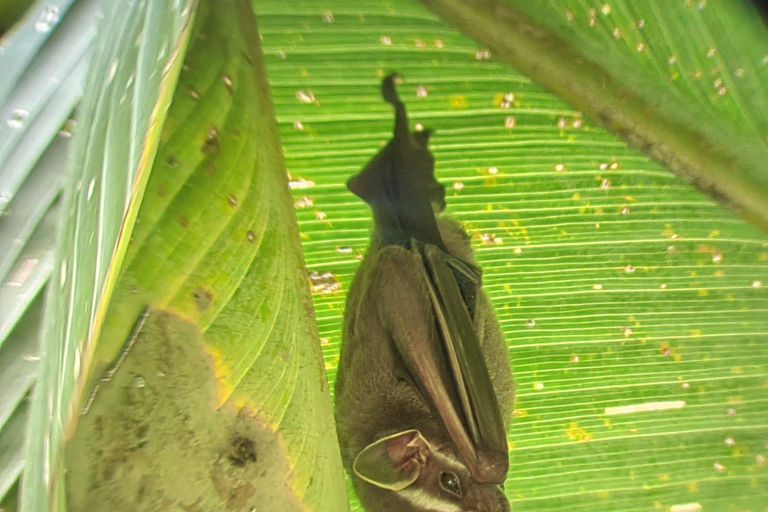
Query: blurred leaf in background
point(43, 61)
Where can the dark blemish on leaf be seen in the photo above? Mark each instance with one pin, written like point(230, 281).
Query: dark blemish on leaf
point(241, 451)
point(142, 431)
point(232, 200)
point(203, 299)
point(211, 145)
point(251, 236)
point(210, 169)
point(237, 132)
point(161, 191)
point(183, 221)
point(172, 162)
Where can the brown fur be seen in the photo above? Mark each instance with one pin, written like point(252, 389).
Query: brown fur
point(388, 299)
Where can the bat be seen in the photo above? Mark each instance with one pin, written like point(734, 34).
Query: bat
point(424, 389)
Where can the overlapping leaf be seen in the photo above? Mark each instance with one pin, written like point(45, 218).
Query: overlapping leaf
point(683, 81)
point(131, 77)
point(615, 282)
point(216, 242)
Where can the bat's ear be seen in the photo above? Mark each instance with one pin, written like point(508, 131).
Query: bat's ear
point(393, 462)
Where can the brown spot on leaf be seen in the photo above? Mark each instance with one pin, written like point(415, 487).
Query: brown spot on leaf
point(211, 145)
point(242, 451)
point(203, 299)
point(183, 221)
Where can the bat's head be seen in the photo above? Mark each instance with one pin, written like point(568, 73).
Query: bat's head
point(399, 182)
point(407, 473)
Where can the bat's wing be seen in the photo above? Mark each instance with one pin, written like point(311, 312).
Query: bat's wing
point(446, 278)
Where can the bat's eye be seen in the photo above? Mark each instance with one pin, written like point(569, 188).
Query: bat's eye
point(450, 482)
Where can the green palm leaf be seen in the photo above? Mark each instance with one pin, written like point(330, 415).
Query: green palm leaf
point(634, 307)
point(616, 283)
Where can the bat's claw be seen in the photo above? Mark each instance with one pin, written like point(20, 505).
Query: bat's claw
point(389, 89)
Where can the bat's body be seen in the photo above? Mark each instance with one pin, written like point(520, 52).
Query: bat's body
point(424, 388)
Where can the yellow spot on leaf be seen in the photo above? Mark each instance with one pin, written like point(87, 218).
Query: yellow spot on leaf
point(520, 413)
point(458, 101)
point(511, 445)
point(576, 196)
point(576, 433)
point(664, 477)
point(718, 273)
point(695, 332)
point(702, 292)
point(713, 234)
point(735, 400)
point(224, 387)
point(692, 487)
point(738, 370)
point(763, 256)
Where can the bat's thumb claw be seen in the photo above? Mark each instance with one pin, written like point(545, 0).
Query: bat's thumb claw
point(492, 468)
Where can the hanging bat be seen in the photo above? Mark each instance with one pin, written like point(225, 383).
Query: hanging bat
point(424, 389)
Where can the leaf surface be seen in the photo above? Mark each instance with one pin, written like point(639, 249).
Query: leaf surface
point(615, 282)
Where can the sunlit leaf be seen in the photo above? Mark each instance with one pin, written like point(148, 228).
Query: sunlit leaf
point(615, 282)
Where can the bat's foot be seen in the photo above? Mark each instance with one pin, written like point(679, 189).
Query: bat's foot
point(389, 89)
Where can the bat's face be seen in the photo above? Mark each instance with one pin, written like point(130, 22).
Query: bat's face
point(405, 472)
